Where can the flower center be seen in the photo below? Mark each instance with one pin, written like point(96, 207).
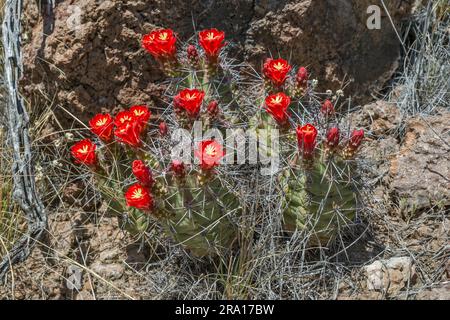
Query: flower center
point(191, 97)
point(138, 112)
point(210, 36)
point(137, 194)
point(163, 36)
point(277, 100)
point(210, 150)
point(84, 149)
point(279, 66)
point(101, 122)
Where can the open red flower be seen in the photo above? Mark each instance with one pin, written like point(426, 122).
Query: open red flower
point(142, 172)
point(356, 139)
point(277, 105)
point(209, 152)
point(129, 133)
point(124, 117)
point(141, 113)
point(212, 40)
point(327, 108)
point(102, 125)
point(302, 77)
point(139, 197)
point(276, 70)
point(160, 43)
point(84, 152)
point(306, 138)
point(189, 100)
point(333, 138)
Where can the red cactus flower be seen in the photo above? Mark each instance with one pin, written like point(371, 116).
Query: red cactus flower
point(212, 40)
point(163, 128)
point(277, 105)
point(102, 125)
point(276, 70)
point(189, 100)
point(327, 108)
point(333, 138)
point(306, 138)
point(160, 43)
point(129, 133)
point(209, 152)
point(142, 172)
point(178, 168)
point(213, 108)
point(302, 77)
point(356, 139)
point(141, 113)
point(84, 152)
point(124, 117)
point(139, 197)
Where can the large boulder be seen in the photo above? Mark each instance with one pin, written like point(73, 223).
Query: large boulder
point(86, 55)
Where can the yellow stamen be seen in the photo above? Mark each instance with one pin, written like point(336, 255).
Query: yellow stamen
point(101, 122)
point(163, 36)
point(279, 66)
point(277, 100)
point(210, 150)
point(137, 194)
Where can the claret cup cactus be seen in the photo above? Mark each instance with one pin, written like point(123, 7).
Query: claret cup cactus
point(142, 179)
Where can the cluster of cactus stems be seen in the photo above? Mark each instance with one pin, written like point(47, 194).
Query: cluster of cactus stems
point(194, 204)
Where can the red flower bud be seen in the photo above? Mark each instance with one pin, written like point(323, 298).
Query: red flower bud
point(302, 77)
point(129, 133)
point(123, 117)
point(141, 114)
point(213, 108)
point(192, 54)
point(139, 197)
point(212, 41)
point(333, 137)
point(163, 128)
point(277, 105)
point(306, 138)
point(102, 125)
point(327, 108)
point(189, 100)
point(160, 43)
point(84, 152)
point(209, 152)
point(178, 168)
point(276, 70)
point(355, 139)
point(143, 173)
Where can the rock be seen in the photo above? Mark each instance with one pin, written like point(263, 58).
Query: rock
point(442, 292)
point(390, 276)
point(420, 173)
point(379, 118)
point(111, 271)
point(94, 56)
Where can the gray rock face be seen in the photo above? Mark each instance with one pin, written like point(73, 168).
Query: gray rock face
point(421, 171)
point(91, 60)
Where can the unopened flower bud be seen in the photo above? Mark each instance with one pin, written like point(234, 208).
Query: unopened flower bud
point(327, 108)
point(192, 55)
point(333, 137)
point(302, 77)
point(213, 108)
point(163, 128)
point(178, 168)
